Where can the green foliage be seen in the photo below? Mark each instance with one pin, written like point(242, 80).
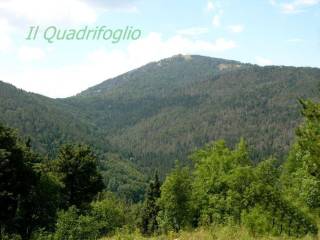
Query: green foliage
point(41, 234)
point(46, 200)
point(16, 176)
point(123, 178)
point(48, 122)
point(257, 221)
point(164, 110)
point(175, 202)
point(309, 137)
point(227, 188)
point(301, 178)
point(149, 223)
point(153, 114)
point(221, 178)
point(73, 226)
point(6, 236)
point(19, 185)
point(77, 168)
point(109, 213)
point(104, 216)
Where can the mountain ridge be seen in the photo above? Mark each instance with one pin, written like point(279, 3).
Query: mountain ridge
point(159, 112)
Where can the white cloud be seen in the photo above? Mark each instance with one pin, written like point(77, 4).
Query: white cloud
point(103, 64)
point(61, 11)
point(289, 8)
point(46, 11)
point(5, 38)
point(216, 21)
point(263, 61)
point(295, 6)
point(210, 6)
point(236, 28)
point(120, 5)
point(295, 40)
point(215, 7)
point(194, 31)
point(273, 2)
point(26, 53)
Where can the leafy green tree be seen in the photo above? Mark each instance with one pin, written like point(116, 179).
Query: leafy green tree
point(258, 221)
point(309, 137)
point(222, 176)
point(238, 196)
point(77, 168)
point(228, 188)
point(73, 226)
point(149, 223)
point(109, 213)
point(175, 201)
point(301, 176)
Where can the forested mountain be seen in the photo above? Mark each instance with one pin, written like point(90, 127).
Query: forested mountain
point(136, 126)
point(162, 111)
point(224, 191)
point(48, 122)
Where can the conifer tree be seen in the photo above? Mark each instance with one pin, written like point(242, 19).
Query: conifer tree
point(77, 168)
point(150, 211)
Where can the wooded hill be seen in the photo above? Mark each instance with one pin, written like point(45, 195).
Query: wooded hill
point(164, 110)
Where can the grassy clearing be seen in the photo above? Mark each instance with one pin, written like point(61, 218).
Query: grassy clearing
point(216, 233)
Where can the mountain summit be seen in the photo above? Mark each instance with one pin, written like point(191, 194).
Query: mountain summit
point(160, 112)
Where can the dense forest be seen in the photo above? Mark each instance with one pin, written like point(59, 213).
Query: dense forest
point(165, 110)
point(141, 155)
point(65, 198)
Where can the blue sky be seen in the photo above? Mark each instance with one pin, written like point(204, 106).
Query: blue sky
point(264, 32)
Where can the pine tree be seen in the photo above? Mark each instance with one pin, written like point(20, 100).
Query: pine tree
point(77, 168)
point(150, 210)
point(17, 182)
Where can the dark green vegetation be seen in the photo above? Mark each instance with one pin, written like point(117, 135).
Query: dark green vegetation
point(33, 189)
point(64, 199)
point(48, 122)
point(164, 110)
point(145, 120)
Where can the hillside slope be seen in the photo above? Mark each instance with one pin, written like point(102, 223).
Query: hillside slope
point(160, 112)
point(48, 122)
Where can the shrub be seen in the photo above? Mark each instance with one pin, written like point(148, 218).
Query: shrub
point(72, 226)
point(257, 221)
point(108, 214)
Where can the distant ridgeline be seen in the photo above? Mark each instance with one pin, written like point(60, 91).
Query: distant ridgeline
point(164, 110)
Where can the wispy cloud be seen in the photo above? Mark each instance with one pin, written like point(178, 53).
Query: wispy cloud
point(216, 21)
point(26, 53)
point(262, 61)
point(216, 8)
point(59, 11)
point(114, 4)
point(295, 6)
point(92, 68)
point(5, 36)
point(295, 40)
point(194, 31)
point(273, 2)
point(236, 28)
point(210, 6)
